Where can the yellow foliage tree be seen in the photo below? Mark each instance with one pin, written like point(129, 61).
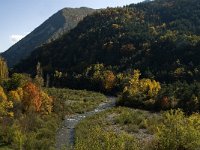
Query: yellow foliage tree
point(14, 96)
point(47, 103)
point(3, 69)
point(20, 92)
point(5, 105)
point(97, 74)
point(145, 86)
point(3, 96)
point(4, 109)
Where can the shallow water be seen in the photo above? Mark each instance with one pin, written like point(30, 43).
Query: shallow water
point(66, 134)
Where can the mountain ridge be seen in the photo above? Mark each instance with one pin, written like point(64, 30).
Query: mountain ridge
point(142, 36)
point(55, 26)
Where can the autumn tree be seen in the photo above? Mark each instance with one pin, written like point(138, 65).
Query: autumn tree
point(96, 72)
point(140, 92)
point(17, 80)
point(47, 103)
point(147, 86)
point(5, 105)
point(34, 99)
point(3, 69)
point(31, 97)
point(14, 96)
point(109, 80)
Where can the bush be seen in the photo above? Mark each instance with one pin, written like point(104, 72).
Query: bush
point(179, 131)
point(140, 93)
point(98, 139)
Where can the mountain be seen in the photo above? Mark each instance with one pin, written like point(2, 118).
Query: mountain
point(160, 38)
point(58, 24)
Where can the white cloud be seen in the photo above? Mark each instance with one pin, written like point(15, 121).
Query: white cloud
point(15, 38)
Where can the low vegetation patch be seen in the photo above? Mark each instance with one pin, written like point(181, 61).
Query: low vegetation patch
point(124, 128)
point(31, 115)
point(68, 101)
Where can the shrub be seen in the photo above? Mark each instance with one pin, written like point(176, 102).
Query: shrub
point(140, 93)
point(179, 131)
point(99, 139)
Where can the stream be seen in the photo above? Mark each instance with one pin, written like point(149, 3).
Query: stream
point(66, 134)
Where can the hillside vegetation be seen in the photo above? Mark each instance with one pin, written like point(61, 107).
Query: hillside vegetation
point(142, 51)
point(160, 38)
point(147, 54)
point(30, 115)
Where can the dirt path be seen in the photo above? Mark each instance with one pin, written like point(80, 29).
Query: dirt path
point(65, 136)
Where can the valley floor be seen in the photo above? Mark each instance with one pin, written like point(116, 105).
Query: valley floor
point(118, 128)
point(90, 121)
point(66, 134)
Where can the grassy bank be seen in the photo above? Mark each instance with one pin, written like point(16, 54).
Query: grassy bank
point(118, 128)
point(33, 131)
point(127, 129)
point(68, 101)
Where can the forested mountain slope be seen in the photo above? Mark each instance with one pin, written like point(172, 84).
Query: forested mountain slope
point(160, 38)
point(58, 24)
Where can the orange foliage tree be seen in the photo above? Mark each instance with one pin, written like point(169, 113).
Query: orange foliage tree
point(109, 80)
point(31, 97)
point(35, 99)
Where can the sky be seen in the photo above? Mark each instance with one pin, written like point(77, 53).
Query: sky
point(20, 17)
